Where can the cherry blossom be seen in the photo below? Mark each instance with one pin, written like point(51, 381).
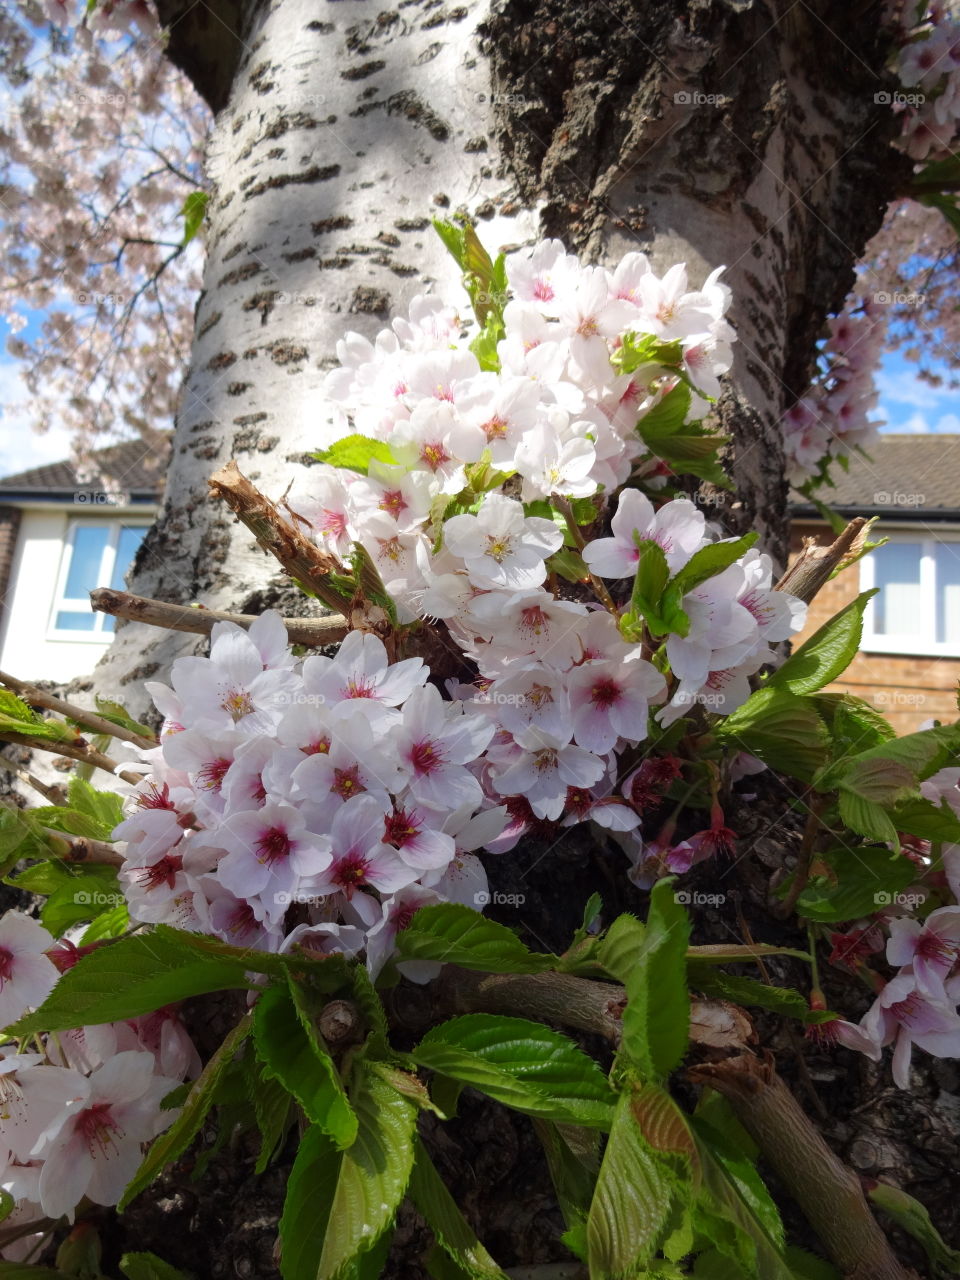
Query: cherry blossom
point(27, 975)
point(500, 547)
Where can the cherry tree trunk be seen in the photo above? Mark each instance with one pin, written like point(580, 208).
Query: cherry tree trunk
point(712, 132)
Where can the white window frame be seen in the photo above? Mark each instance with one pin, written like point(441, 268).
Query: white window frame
point(71, 604)
point(920, 643)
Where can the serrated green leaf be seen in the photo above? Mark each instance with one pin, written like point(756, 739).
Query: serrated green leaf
point(667, 416)
point(311, 1185)
point(290, 1051)
point(748, 991)
point(147, 1266)
point(168, 1146)
point(865, 881)
point(914, 1218)
point(373, 1175)
point(451, 1230)
point(854, 725)
point(130, 977)
point(569, 564)
point(624, 1229)
point(709, 561)
point(621, 946)
point(355, 453)
point(827, 653)
point(109, 924)
point(105, 808)
point(919, 817)
point(84, 898)
point(807, 1266)
point(454, 934)
point(781, 729)
point(273, 1110)
point(522, 1064)
point(573, 1180)
point(656, 1020)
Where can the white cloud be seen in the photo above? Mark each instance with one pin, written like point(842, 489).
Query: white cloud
point(904, 387)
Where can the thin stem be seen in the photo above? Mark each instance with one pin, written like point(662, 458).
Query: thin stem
point(89, 719)
point(566, 510)
point(78, 750)
point(801, 874)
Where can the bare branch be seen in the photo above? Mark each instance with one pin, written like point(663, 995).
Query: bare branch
point(89, 719)
point(815, 564)
point(314, 632)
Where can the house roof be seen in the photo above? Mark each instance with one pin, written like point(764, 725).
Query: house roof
point(135, 466)
point(905, 476)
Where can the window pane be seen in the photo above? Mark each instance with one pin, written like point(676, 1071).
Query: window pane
point(130, 538)
point(75, 621)
point(948, 592)
point(89, 541)
point(898, 608)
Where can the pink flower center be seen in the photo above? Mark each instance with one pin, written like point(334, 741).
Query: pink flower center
point(359, 687)
point(403, 915)
point(346, 782)
point(932, 947)
point(909, 1010)
point(6, 966)
point(399, 828)
point(534, 619)
point(434, 455)
point(97, 1127)
point(154, 797)
point(542, 290)
point(545, 759)
point(273, 845)
point(238, 702)
point(210, 776)
point(426, 757)
point(604, 693)
point(241, 921)
point(319, 747)
point(495, 428)
point(394, 503)
point(334, 522)
point(392, 548)
point(351, 872)
point(164, 871)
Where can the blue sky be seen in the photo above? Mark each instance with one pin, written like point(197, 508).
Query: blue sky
point(906, 403)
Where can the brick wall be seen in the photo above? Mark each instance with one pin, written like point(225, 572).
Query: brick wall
point(908, 689)
point(9, 525)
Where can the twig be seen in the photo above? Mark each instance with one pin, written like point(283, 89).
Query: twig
point(304, 562)
point(53, 794)
point(79, 849)
point(829, 1193)
point(801, 874)
point(89, 719)
point(815, 564)
point(565, 508)
point(78, 750)
point(183, 617)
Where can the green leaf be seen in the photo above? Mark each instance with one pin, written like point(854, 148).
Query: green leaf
point(25, 1271)
point(104, 808)
point(290, 1052)
point(667, 416)
point(709, 561)
point(451, 1230)
point(569, 564)
point(914, 1218)
point(373, 1174)
point(867, 818)
point(573, 1179)
point(193, 212)
point(147, 1266)
point(117, 714)
point(927, 820)
point(807, 1266)
point(84, 898)
point(736, 1210)
point(168, 1146)
point(631, 1208)
point(311, 1185)
point(454, 934)
point(272, 1107)
point(656, 1021)
point(854, 725)
point(827, 653)
point(781, 729)
point(621, 947)
point(522, 1064)
point(648, 584)
point(129, 977)
point(109, 924)
point(748, 991)
point(17, 717)
point(638, 349)
point(866, 880)
point(355, 453)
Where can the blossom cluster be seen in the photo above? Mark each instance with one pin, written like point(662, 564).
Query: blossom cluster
point(928, 66)
point(834, 416)
point(920, 1004)
point(76, 1114)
